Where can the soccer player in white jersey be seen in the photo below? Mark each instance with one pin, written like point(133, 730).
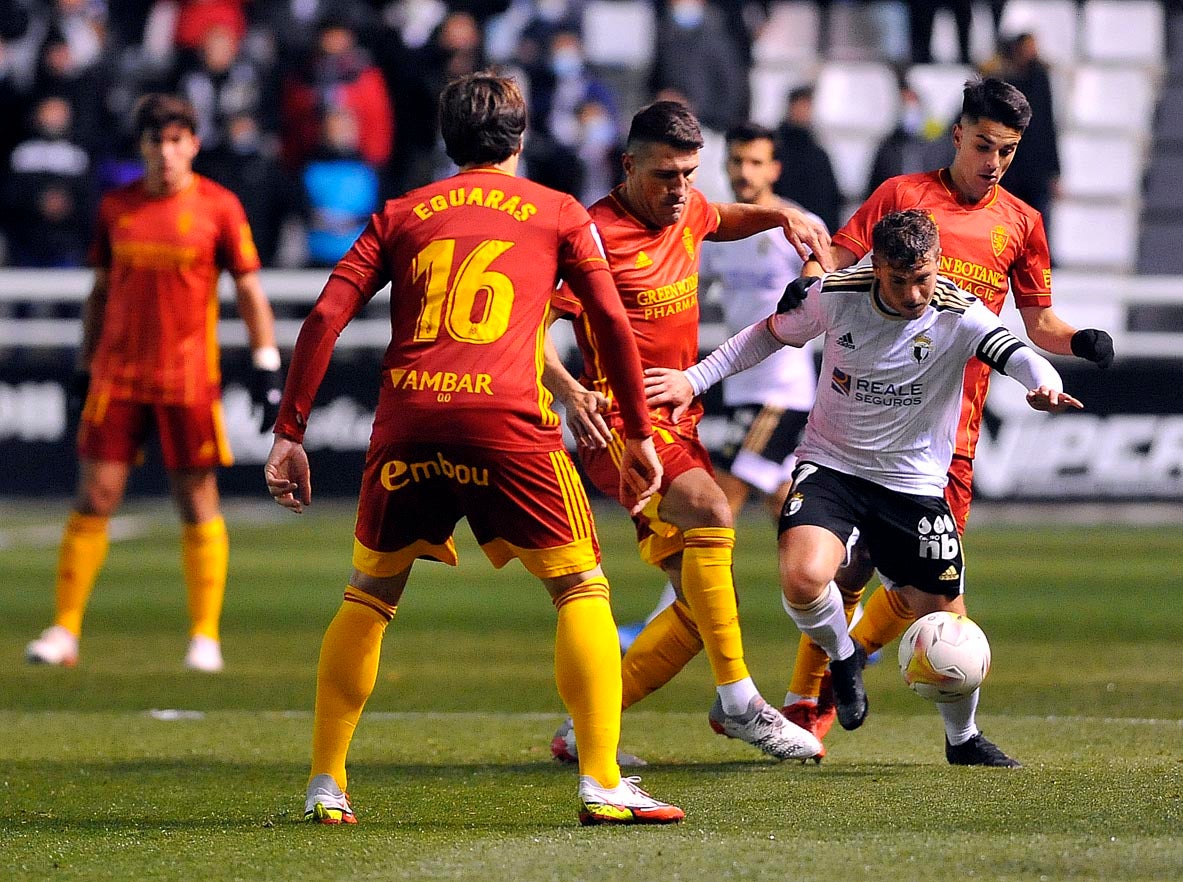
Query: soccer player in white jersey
point(873, 460)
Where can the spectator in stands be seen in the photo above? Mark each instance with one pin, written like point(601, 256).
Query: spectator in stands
point(81, 77)
point(905, 149)
point(808, 175)
point(247, 164)
point(697, 58)
point(48, 198)
point(339, 187)
point(287, 29)
point(1034, 174)
point(921, 14)
point(221, 82)
point(14, 24)
point(600, 149)
point(338, 74)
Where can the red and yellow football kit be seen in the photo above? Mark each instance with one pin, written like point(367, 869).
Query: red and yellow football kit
point(464, 426)
point(986, 248)
point(656, 273)
point(157, 360)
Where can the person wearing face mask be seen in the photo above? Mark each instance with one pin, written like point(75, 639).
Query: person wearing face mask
point(698, 59)
point(904, 150)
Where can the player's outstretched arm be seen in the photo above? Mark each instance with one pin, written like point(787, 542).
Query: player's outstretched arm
point(738, 220)
point(584, 407)
point(289, 478)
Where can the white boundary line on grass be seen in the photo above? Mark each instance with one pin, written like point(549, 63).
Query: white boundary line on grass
point(119, 529)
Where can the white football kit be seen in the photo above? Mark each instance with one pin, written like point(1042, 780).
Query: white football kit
point(890, 389)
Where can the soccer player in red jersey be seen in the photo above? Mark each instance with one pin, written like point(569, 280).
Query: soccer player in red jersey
point(149, 363)
point(653, 227)
point(465, 428)
point(990, 242)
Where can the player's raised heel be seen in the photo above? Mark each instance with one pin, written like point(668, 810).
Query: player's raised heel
point(564, 749)
point(763, 726)
point(626, 803)
point(55, 646)
point(326, 803)
point(979, 751)
point(850, 696)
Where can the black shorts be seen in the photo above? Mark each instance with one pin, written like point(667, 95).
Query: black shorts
point(758, 441)
point(912, 540)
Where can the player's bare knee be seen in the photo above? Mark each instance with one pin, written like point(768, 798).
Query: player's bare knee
point(802, 582)
point(388, 589)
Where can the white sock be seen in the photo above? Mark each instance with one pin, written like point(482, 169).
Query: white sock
point(959, 718)
point(736, 696)
point(668, 596)
point(824, 622)
point(793, 698)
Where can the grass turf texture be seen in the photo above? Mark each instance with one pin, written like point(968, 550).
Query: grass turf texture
point(451, 775)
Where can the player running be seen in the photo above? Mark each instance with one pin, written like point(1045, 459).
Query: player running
point(873, 464)
point(653, 227)
point(990, 242)
point(464, 428)
point(149, 364)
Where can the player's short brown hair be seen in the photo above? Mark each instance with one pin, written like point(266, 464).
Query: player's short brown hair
point(747, 132)
point(904, 238)
point(482, 117)
point(997, 100)
point(665, 122)
point(156, 110)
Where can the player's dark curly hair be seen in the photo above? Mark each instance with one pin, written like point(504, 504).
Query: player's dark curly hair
point(905, 238)
point(994, 99)
point(156, 110)
point(482, 117)
point(747, 132)
point(665, 122)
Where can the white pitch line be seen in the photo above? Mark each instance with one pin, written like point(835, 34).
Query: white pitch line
point(119, 529)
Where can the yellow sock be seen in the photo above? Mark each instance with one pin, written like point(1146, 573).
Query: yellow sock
point(205, 558)
point(345, 678)
point(709, 588)
point(81, 556)
point(886, 616)
point(812, 660)
point(663, 648)
point(587, 672)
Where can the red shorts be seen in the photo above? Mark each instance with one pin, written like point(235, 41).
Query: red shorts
point(657, 539)
point(192, 436)
point(528, 505)
point(959, 492)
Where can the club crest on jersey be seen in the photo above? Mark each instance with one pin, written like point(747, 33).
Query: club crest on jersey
point(998, 239)
point(840, 381)
point(794, 503)
point(921, 347)
point(688, 241)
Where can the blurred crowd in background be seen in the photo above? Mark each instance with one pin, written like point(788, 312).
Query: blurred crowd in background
point(315, 111)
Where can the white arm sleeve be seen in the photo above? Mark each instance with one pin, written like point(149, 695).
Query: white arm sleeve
point(1033, 370)
point(750, 346)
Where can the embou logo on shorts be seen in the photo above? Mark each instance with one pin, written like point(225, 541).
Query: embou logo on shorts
point(938, 538)
point(397, 474)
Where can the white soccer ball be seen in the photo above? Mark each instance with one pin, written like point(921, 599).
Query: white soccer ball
point(944, 656)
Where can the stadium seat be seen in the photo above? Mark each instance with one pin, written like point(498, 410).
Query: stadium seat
point(944, 36)
point(1111, 98)
point(789, 36)
point(851, 155)
point(939, 87)
point(860, 97)
point(1091, 236)
point(1129, 31)
point(1053, 22)
point(619, 33)
point(1163, 193)
point(1099, 165)
point(1158, 248)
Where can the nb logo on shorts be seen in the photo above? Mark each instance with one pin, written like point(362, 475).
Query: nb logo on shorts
point(397, 474)
point(938, 539)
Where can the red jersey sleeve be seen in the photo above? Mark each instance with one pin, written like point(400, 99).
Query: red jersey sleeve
point(585, 269)
point(855, 234)
point(236, 246)
point(363, 265)
point(1031, 274)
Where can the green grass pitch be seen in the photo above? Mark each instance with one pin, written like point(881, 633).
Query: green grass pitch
point(450, 770)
